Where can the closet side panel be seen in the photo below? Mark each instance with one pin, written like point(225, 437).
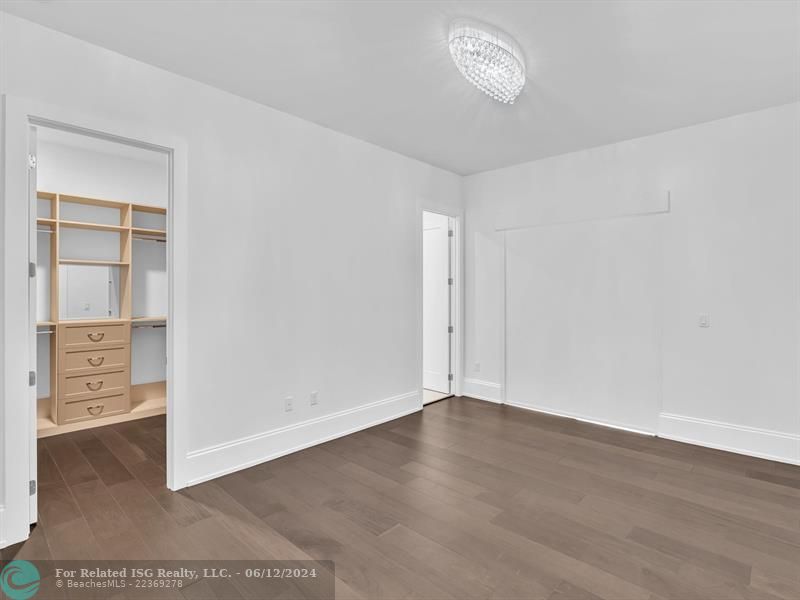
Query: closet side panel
point(148, 355)
point(150, 293)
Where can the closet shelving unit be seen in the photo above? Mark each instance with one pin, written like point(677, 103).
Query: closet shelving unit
point(90, 359)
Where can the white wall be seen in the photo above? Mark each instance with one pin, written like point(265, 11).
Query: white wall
point(304, 251)
point(603, 314)
point(137, 176)
point(583, 303)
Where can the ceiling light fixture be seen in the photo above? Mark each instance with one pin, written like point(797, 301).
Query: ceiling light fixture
point(490, 60)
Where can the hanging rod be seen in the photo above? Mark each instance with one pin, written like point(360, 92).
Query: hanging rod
point(48, 332)
point(47, 231)
point(149, 239)
point(151, 326)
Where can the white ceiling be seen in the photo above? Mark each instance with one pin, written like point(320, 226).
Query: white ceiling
point(598, 72)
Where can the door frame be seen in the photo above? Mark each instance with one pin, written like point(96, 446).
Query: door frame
point(456, 299)
point(16, 429)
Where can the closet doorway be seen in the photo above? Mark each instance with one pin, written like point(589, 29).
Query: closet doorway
point(438, 297)
point(24, 122)
point(98, 298)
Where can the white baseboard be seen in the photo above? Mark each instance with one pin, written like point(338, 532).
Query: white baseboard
point(761, 443)
point(577, 417)
point(483, 390)
point(235, 455)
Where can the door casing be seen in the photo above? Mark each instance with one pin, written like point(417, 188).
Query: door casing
point(18, 336)
point(455, 297)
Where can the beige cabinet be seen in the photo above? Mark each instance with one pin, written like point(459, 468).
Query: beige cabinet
point(90, 364)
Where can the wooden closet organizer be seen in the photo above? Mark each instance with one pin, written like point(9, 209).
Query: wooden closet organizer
point(90, 360)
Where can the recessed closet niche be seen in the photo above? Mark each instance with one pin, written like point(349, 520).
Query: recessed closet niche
point(101, 296)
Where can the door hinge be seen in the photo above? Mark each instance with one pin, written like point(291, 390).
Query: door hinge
point(32, 487)
point(449, 377)
point(31, 269)
point(449, 329)
point(449, 233)
point(449, 281)
point(31, 378)
point(31, 161)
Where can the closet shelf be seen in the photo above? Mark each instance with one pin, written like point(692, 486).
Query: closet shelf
point(92, 226)
point(97, 321)
point(149, 209)
point(45, 323)
point(48, 222)
point(92, 201)
point(81, 261)
point(148, 319)
point(153, 232)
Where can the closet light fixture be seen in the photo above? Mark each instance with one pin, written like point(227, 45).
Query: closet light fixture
point(489, 59)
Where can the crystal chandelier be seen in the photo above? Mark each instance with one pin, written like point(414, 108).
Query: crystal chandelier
point(490, 61)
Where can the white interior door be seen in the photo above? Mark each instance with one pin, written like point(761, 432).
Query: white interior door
point(436, 302)
point(33, 247)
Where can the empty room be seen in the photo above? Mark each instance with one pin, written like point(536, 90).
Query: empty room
point(383, 299)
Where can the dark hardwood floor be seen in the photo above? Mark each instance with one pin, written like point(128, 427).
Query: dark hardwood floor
point(464, 500)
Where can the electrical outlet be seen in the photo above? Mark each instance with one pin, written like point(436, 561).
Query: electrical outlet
point(704, 320)
point(288, 405)
point(313, 398)
point(477, 367)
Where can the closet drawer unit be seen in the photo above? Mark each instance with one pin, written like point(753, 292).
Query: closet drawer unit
point(79, 387)
point(94, 408)
point(78, 362)
point(84, 337)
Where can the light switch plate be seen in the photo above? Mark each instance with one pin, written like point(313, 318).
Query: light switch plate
point(704, 320)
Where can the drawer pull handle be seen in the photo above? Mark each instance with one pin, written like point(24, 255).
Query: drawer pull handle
point(92, 387)
point(99, 360)
point(96, 337)
point(92, 409)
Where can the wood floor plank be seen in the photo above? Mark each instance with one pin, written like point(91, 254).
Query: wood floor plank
point(115, 533)
point(689, 553)
point(105, 464)
point(71, 462)
point(72, 540)
point(176, 504)
point(465, 499)
point(567, 591)
point(125, 452)
point(458, 575)
point(48, 473)
point(57, 505)
point(782, 480)
point(160, 532)
point(711, 536)
point(361, 564)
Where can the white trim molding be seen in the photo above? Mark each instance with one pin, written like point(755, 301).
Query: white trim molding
point(483, 390)
point(216, 461)
point(752, 441)
point(577, 417)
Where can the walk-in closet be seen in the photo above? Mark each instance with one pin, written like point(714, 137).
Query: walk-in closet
point(101, 294)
